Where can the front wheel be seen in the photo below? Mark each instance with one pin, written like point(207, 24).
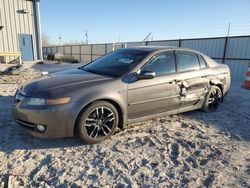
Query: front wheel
point(213, 99)
point(98, 122)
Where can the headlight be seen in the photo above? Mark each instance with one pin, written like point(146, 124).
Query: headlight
point(36, 101)
point(63, 100)
point(40, 101)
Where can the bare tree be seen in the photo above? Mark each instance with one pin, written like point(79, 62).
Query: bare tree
point(45, 40)
point(74, 42)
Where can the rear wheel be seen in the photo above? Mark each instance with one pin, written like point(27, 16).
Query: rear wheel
point(213, 99)
point(98, 122)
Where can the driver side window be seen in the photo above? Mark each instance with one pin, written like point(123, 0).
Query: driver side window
point(163, 63)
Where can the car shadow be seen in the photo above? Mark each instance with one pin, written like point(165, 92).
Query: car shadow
point(232, 120)
point(13, 136)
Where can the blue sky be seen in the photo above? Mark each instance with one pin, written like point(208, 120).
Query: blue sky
point(132, 20)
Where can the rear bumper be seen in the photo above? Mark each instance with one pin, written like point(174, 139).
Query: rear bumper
point(57, 120)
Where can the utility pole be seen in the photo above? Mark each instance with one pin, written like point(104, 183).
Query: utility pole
point(228, 29)
point(60, 40)
point(86, 37)
point(226, 43)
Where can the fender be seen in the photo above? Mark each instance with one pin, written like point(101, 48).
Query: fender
point(88, 99)
point(219, 84)
point(216, 82)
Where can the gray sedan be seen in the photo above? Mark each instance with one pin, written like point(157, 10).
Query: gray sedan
point(124, 86)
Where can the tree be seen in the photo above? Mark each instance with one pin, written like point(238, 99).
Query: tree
point(45, 40)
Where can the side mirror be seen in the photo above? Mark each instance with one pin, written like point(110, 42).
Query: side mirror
point(146, 75)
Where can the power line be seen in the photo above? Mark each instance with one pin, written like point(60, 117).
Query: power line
point(236, 28)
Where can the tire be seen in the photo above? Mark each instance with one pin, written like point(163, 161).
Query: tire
point(213, 99)
point(52, 57)
point(49, 57)
point(98, 122)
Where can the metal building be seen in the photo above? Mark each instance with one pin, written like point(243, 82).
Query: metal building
point(20, 30)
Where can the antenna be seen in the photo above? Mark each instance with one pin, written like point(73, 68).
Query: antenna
point(146, 38)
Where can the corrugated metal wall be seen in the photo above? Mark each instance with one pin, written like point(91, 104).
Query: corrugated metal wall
point(238, 47)
point(238, 56)
point(15, 23)
point(164, 43)
point(212, 47)
point(233, 51)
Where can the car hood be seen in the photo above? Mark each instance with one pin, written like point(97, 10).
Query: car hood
point(61, 79)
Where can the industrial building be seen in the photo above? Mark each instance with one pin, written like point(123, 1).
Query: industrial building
point(20, 30)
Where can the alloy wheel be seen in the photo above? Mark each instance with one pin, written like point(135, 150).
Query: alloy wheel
point(99, 122)
point(214, 99)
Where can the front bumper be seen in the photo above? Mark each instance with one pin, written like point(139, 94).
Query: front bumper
point(58, 120)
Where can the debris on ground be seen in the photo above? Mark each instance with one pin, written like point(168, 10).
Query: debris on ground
point(59, 57)
point(10, 69)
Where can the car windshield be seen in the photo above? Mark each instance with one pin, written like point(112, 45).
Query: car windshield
point(117, 63)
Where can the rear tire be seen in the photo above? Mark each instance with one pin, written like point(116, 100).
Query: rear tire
point(98, 122)
point(213, 99)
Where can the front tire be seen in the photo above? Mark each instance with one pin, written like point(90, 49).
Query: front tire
point(98, 122)
point(213, 99)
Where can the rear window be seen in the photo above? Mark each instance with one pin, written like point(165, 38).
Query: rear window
point(187, 61)
point(202, 62)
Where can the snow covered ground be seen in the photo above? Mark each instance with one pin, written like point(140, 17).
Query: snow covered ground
point(193, 149)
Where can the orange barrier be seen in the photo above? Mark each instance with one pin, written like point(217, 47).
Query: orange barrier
point(247, 80)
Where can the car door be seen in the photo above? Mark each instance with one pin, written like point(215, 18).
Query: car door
point(157, 95)
point(192, 78)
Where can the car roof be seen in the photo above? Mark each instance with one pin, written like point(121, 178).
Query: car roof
point(158, 48)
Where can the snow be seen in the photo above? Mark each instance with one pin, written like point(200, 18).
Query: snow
point(192, 149)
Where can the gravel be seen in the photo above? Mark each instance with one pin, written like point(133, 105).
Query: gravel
point(193, 149)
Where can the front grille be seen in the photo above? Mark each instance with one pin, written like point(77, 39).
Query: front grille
point(27, 125)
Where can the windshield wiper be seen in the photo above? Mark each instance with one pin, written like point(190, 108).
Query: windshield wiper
point(96, 72)
point(88, 70)
point(81, 68)
point(93, 71)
